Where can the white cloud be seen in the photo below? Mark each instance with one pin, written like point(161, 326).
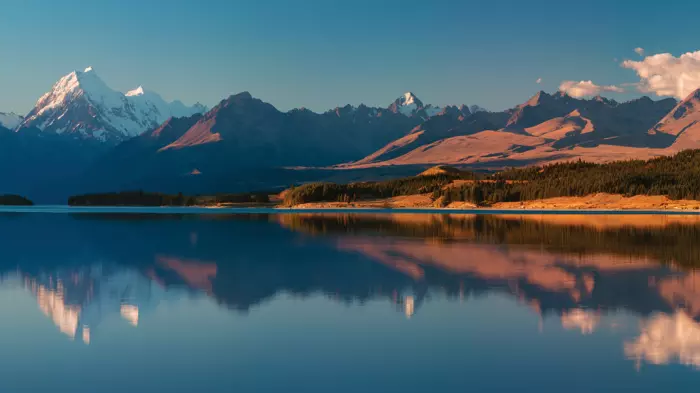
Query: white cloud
point(667, 339)
point(586, 88)
point(639, 51)
point(538, 81)
point(667, 75)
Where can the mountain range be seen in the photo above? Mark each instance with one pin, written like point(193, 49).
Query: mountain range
point(83, 136)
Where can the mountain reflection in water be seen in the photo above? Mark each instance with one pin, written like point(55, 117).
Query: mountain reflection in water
point(578, 269)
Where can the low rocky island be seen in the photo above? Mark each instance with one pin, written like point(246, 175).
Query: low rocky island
point(14, 200)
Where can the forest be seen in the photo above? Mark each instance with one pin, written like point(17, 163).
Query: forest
point(141, 198)
point(677, 177)
point(331, 192)
point(14, 200)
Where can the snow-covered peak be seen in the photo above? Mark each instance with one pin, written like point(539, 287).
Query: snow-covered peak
point(407, 104)
point(75, 85)
point(10, 120)
point(82, 103)
point(136, 92)
point(408, 98)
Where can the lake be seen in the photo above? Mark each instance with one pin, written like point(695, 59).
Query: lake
point(135, 301)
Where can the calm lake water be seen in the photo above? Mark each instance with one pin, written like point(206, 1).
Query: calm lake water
point(310, 302)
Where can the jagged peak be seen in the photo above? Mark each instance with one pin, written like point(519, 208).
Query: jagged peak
point(135, 92)
point(643, 99)
point(341, 110)
point(407, 104)
point(408, 98)
point(537, 98)
point(465, 109)
point(452, 110)
point(73, 85)
point(604, 100)
point(477, 108)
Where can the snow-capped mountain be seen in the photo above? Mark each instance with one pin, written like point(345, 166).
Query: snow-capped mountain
point(10, 120)
point(80, 103)
point(409, 105)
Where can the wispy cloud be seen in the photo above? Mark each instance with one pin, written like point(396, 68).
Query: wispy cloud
point(587, 88)
point(666, 75)
point(639, 51)
point(538, 81)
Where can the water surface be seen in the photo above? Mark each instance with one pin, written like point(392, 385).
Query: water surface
point(127, 302)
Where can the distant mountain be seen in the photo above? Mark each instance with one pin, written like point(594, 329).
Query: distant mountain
point(539, 108)
point(80, 104)
point(546, 127)
point(452, 121)
point(263, 135)
point(244, 143)
point(240, 138)
point(477, 108)
point(409, 105)
point(683, 122)
point(10, 120)
point(585, 120)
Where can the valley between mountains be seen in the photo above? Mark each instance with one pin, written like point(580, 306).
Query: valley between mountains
point(84, 137)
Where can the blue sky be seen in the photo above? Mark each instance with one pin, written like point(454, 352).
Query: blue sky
point(323, 53)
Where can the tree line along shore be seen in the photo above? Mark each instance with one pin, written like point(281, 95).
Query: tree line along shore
point(141, 198)
point(674, 177)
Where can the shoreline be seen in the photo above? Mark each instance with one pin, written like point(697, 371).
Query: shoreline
point(164, 210)
point(600, 203)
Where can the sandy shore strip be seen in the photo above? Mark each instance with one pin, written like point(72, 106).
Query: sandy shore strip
point(600, 201)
